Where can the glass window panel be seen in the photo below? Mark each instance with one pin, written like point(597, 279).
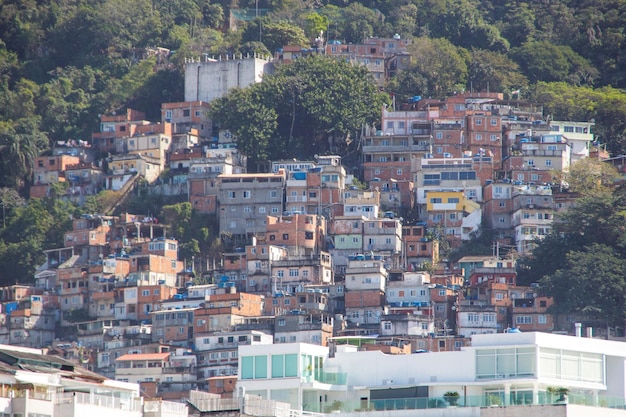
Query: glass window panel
point(260, 366)
point(247, 367)
point(549, 363)
point(526, 362)
point(592, 368)
point(278, 366)
point(506, 362)
point(485, 363)
point(570, 365)
point(291, 365)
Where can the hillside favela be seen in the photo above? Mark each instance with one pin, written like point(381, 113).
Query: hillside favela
point(299, 209)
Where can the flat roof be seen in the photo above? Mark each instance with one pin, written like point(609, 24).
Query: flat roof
point(143, 356)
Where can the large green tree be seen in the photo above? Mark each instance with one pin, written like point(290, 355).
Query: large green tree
point(310, 106)
point(592, 283)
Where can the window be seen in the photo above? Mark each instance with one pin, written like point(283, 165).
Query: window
point(254, 367)
point(479, 136)
point(494, 122)
point(246, 194)
point(232, 194)
point(281, 322)
point(489, 317)
point(493, 138)
point(453, 200)
point(472, 317)
point(262, 209)
point(285, 236)
point(399, 171)
point(439, 135)
point(542, 319)
point(478, 121)
point(523, 320)
point(548, 162)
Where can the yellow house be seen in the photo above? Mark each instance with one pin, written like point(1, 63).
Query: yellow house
point(458, 215)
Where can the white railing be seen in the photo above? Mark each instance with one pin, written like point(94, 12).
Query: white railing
point(127, 404)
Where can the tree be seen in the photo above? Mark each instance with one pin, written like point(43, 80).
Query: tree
point(195, 232)
point(307, 107)
point(592, 283)
point(253, 123)
point(9, 200)
point(358, 22)
point(590, 176)
point(546, 61)
point(462, 24)
point(493, 71)
point(274, 35)
point(442, 65)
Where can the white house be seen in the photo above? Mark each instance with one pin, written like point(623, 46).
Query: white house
point(504, 369)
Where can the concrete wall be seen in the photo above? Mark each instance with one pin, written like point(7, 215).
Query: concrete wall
point(207, 81)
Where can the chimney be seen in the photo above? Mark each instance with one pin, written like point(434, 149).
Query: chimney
point(579, 329)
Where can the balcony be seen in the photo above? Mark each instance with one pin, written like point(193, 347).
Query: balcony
point(80, 404)
point(158, 408)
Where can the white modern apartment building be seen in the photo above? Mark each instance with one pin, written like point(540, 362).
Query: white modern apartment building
point(33, 384)
point(504, 369)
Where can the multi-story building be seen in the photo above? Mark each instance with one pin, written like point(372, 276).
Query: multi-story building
point(302, 327)
point(216, 352)
point(122, 168)
point(362, 203)
point(203, 175)
point(452, 174)
point(384, 236)
point(173, 371)
point(318, 189)
point(221, 312)
point(382, 56)
point(46, 385)
point(457, 215)
point(116, 126)
point(529, 310)
point(417, 247)
point(345, 240)
point(49, 170)
point(515, 370)
point(579, 136)
point(245, 200)
point(188, 115)
point(152, 140)
point(365, 284)
point(302, 234)
point(532, 215)
point(476, 318)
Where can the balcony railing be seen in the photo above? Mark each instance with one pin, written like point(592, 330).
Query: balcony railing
point(487, 400)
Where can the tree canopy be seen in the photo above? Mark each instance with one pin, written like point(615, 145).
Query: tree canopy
point(311, 106)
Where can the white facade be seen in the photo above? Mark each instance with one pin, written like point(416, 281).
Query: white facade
point(578, 134)
point(70, 391)
point(211, 79)
point(366, 274)
point(506, 369)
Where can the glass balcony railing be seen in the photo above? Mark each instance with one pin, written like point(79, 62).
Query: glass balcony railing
point(487, 400)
